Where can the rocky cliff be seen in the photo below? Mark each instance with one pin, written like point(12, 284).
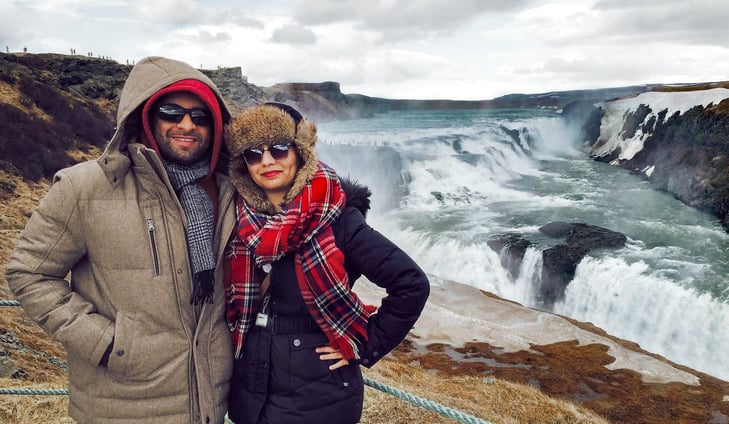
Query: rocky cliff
point(678, 139)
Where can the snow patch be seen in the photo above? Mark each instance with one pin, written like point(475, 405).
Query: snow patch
point(615, 112)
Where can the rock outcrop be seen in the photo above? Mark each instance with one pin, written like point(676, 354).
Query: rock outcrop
point(682, 149)
point(559, 261)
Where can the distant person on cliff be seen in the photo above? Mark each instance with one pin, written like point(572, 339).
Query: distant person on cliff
point(142, 231)
point(300, 333)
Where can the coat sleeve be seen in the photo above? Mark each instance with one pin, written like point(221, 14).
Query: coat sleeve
point(371, 254)
point(51, 244)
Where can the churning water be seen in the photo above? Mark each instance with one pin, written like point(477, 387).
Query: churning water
point(443, 182)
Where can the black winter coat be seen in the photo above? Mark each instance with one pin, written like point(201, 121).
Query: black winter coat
point(279, 378)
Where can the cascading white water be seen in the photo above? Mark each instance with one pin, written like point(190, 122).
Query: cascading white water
point(444, 182)
point(639, 304)
point(530, 274)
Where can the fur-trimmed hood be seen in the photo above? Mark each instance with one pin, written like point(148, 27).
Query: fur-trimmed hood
point(268, 123)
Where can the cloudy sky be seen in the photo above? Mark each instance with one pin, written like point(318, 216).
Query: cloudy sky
point(418, 49)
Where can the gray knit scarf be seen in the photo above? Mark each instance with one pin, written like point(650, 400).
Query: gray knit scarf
point(200, 224)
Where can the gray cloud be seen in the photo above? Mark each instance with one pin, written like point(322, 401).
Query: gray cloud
point(176, 13)
point(610, 69)
point(695, 22)
point(209, 37)
point(629, 4)
point(245, 21)
point(190, 13)
point(235, 16)
point(459, 49)
point(293, 34)
point(13, 31)
point(415, 17)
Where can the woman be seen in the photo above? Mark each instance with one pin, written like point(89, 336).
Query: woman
point(299, 331)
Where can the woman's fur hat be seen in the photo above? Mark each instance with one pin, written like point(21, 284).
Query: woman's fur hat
point(268, 123)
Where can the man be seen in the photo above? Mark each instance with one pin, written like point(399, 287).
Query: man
point(142, 231)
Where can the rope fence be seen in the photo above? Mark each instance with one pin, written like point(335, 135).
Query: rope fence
point(21, 391)
point(425, 403)
point(409, 397)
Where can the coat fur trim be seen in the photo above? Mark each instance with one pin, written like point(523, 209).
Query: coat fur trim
point(358, 195)
point(267, 124)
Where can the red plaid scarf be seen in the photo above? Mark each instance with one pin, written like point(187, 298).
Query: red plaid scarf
point(304, 228)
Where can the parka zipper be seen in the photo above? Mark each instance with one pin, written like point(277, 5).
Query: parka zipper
point(153, 244)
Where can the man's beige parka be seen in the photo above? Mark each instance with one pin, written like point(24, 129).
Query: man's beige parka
point(116, 224)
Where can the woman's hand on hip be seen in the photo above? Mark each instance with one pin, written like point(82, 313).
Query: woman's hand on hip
point(329, 353)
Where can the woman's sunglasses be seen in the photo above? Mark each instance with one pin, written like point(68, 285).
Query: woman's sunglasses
point(176, 113)
point(278, 150)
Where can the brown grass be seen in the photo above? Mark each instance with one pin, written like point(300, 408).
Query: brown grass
point(11, 95)
point(23, 409)
point(692, 87)
point(489, 399)
point(18, 199)
point(722, 107)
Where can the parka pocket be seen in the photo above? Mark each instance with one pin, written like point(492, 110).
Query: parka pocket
point(136, 354)
point(120, 358)
point(323, 394)
point(152, 231)
point(307, 369)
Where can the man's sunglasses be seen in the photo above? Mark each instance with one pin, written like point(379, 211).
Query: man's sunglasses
point(278, 150)
point(176, 113)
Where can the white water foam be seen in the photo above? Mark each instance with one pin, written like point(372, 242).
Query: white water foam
point(454, 201)
point(626, 300)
